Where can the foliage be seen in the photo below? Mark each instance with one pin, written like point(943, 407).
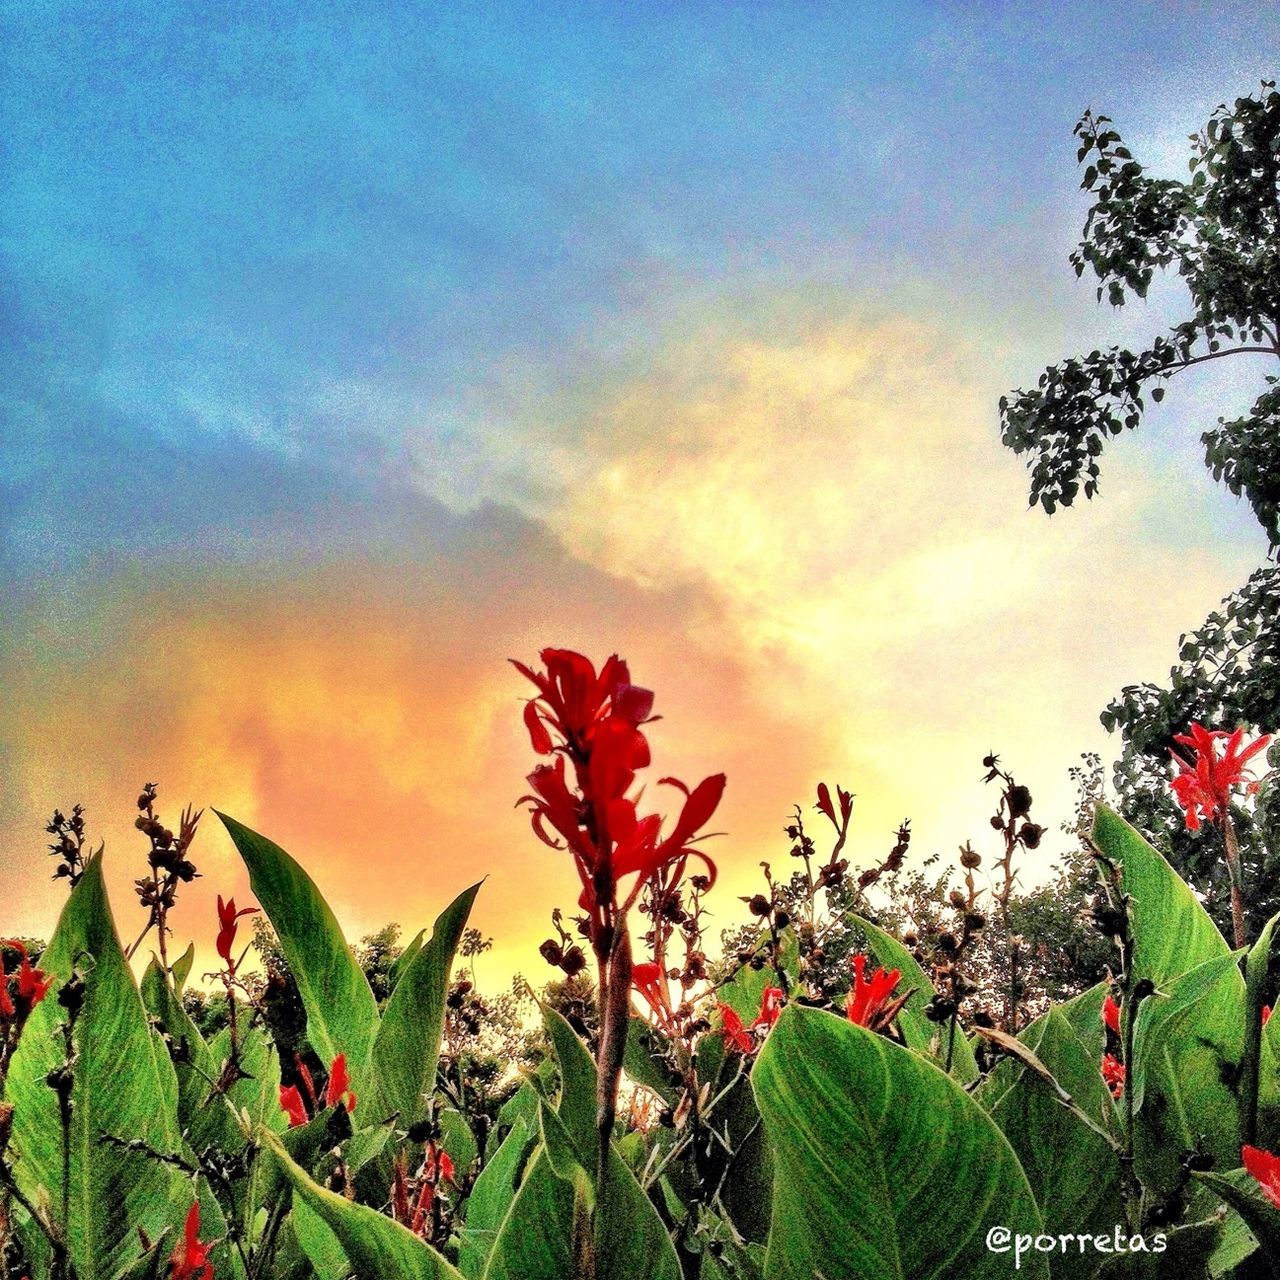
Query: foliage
point(1220, 231)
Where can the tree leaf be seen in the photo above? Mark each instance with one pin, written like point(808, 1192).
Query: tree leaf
point(1172, 932)
point(1240, 1191)
point(192, 1061)
point(124, 1085)
point(342, 1015)
point(886, 1168)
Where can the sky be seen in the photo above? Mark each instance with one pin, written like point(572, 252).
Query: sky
point(349, 351)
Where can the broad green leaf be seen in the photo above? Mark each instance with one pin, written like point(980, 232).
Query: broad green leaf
point(1188, 1046)
point(458, 1140)
point(886, 1168)
point(192, 1060)
point(562, 1154)
point(405, 958)
point(407, 1047)
point(1261, 1217)
point(643, 1062)
point(1257, 965)
point(374, 1244)
point(1185, 1253)
point(1073, 1171)
point(747, 1193)
point(535, 1239)
point(181, 968)
point(317, 1241)
point(491, 1196)
point(124, 1085)
point(920, 1034)
point(1172, 932)
point(342, 1015)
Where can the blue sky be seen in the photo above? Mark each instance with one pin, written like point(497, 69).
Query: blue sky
point(298, 294)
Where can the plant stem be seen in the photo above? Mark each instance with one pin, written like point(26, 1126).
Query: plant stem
point(1237, 889)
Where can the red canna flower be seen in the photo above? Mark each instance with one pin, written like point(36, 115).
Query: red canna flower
point(735, 1036)
point(31, 985)
point(338, 1089)
point(770, 1007)
point(646, 978)
point(869, 1001)
point(1111, 1015)
point(227, 928)
point(292, 1105)
point(1202, 786)
point(190, 1260)
point(825, 805)
point(593, 723)
point(1114, 1073)
point(1265, 1168)
point(1266, 1014)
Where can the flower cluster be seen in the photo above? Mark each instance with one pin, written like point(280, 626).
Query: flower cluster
point(591, 723)
point(740, 1037)
point(337, 1092)
point(1202, 786)
point(20, 992)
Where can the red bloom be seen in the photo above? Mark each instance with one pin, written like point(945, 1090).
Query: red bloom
point(1266, 1014)
point(227, 928)
point(735, 1036)
point(292, 1105)
point(338, 1089)
point(1114, 1073)
point(770, 1007)
point(190, 1260)
point(1202, 785)
point(868, 1001)
point(825, 805)
point(593, 722)
point(574, 699)
point(646, 978)
point(1266, 1169)
point(1111, 1015)
point(31, 987)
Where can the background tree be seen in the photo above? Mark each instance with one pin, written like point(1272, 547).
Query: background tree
point(1220, 230)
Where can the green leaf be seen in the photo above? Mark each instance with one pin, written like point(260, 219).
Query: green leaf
point(1188, 1046)
point(748, 1191)
point(1240, 1191)
point(563, 1156)
point(886, 1168)
point(405, 959)
point(181, 968)
point(491, 1196)
point(192, 1060)
point(535, 1239)
point(407, 1046)
point(1073, 1171)
point(1257, 965)
point(920, 1034)
point(342, 1015)
point(1172, 932)
point(375, 1245)
point(124, 1085)
point(642, 1060)
point(1186, 1252)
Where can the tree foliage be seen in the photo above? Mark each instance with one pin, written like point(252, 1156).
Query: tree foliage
point(1220, 231)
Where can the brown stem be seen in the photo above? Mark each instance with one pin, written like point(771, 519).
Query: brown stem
point(1237, 890)
point(615, 1017)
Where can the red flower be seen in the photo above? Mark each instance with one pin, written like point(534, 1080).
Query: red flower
point(1266, 1169)
point(1266, 1014)
point(825, 805)
point(574, 699)
point(1111, 1015)
point(227, 928)
point(593, 722)
point(190, 1260)
point(1114, 1073)
point(292, 1105)
point(31, 987)
point(1202, 785)
point(338, 1089)
point(770, 1007)
point(869, 1001)
point(735, 1036)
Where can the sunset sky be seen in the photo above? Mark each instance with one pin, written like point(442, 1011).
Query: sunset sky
point(348, 353)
